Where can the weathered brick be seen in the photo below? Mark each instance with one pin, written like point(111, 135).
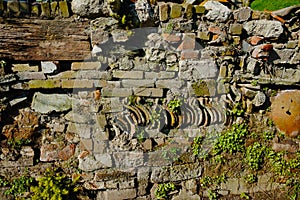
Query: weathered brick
point(128, 74)
point(131, 83)
point(85, 65)
point(31, 75)
point(175, 10)
point(169, 84)
point(111, 105)
point(159, 75)
point(148, 92)
point(24, 67)
point(33, 84)
point(116, 92)
point(117, 194)
point(171, 37)
point(78, 83)
point(163, 11)
point(188, 10)
point(203, 35)
point(93, 74)
point(64, 9)
point(189, 54)
point(107, 84)
point(199, 9)
point(65, 75)
point(83, 130)
point(188, 42)
point(236, 29)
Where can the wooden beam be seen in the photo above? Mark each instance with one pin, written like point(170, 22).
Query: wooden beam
point(34, 39)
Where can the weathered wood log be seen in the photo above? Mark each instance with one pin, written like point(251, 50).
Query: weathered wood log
point(34, 39)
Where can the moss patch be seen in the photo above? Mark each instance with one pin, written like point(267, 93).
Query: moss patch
point(273, 4)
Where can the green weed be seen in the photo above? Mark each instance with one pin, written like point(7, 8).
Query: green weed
point(163, 190)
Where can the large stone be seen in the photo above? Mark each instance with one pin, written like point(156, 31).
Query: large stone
point(196, 70)
point(217, 11)
point(242, 14)
point(48, 67)
point(89, 8)
point(47, 103)
point(266, 28)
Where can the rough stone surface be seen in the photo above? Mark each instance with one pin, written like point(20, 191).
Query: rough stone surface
point(265, 28)
point(47, 103)
point(217, 11)
point(89, 8)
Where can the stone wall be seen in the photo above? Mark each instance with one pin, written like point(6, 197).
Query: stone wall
point(105, 108)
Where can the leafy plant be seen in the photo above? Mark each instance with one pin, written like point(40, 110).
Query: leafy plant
point(163, 190)
point(233, 140)
point(255, 156)
point(212, 195)
point(3, 182)
point(208, 181)
point(196, 145)
point(236, 110)
point(174, 105)
point(244, 195)
point(19, 186)
point(17, 144)
point(54, 185)
point(250, 178)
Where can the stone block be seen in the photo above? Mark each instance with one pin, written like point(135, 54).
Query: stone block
point(47, 103)
point(94, 74)
point(85, 66)
point(78, 83)
point(48, 67)
point(177, 84)
point(131, 83)
point(128, 74)
point(54, 8)
point(64, 9)
point(65, 75)
point(188, 10)
point(148, 92)
point(127, 160)
point(46, 84)
point(125, 184)
point(100, 147)
point(242, 14)
point(189, 54)
point(199, 9)
point(188, 42)
point(1, 8)
point(13, 8)
point(35, 10)
point(107, 84)
point(175, 11)
point(31, 76)
point(116, 92)
point(204, 35)
point(236, 29)
point(111, 105)
point(46, 9)
point(160, 75)
point(83, 130)
point(163, 11)
point(24, 67)
point(116, 194)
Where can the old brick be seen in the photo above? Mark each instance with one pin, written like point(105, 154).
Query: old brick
point(171, 37)
point(169, 84)
point(203, 35)
point(78, 83)
point(199, 9)
point(24, 67)
point(107, 84)
point(148, 92)
point(159, 75)
point(236, 29)
point(31, 75)
point(47, 84)
point(175, 10)
point(116, 92)
point(64, 9)
point(117, 194)
point(128, 74)
point(189, 54)
point(65, 75)
point(126, 160)
point(93, 74)
point(188, 10)
point(85, 66)
point(67, 152)
point(188, 42)
point(137, 83)
point(163, 11)
point(83, 130)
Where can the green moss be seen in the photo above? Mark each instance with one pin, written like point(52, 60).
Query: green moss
point(273, 4)
point(201, 88)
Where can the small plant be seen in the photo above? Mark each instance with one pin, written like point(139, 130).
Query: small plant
point(19, 186)
point(17, 144)
point(236, 110)
point(163, 190)
point(174, 105)
point(244, 195)
point(54, 185)
point(250, 178)
point(3, 182)
point(3, 63)
point(254, 83)
point(268, 135)
point(196, 145)
point(208, 181)
point(171, 154)
point(233, 140)
point(212, 195)
point(255, 156)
